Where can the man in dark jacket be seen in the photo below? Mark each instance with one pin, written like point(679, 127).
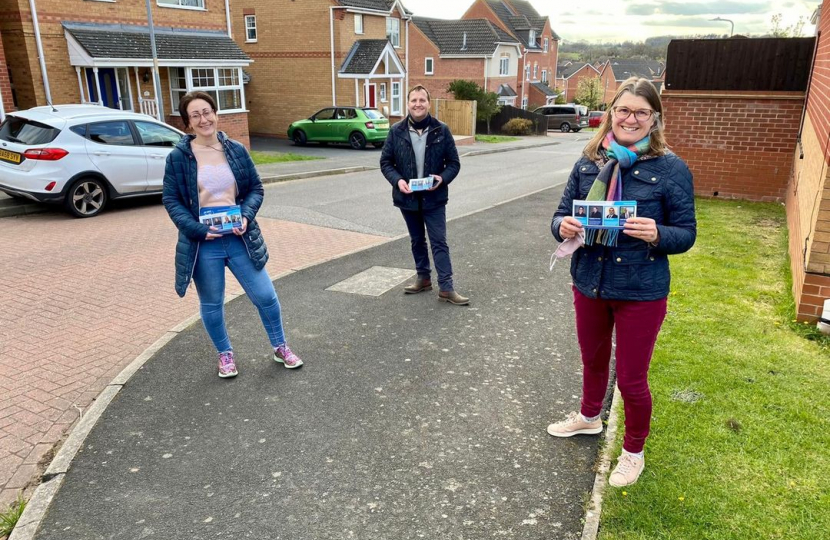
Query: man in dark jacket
point(420, 146)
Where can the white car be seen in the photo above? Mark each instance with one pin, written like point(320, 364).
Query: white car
point(83, 155)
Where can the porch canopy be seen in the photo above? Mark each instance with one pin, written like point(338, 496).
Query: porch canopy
point(372, 59)
point(103, 54)
point(120, 45)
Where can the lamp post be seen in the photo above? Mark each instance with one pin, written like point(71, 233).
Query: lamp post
point(731, 28)
point(156, 76)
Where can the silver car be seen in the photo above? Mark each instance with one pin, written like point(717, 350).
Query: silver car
point(565, 118)
point(83, 155)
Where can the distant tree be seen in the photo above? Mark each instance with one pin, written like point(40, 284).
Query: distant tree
point(560, 99)
point(487, 103)
point(589, 92)
point(794, 30)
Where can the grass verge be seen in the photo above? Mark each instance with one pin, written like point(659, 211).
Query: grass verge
point(9, 518)
point(495, 138)
point(741, 424)
point(262, 158)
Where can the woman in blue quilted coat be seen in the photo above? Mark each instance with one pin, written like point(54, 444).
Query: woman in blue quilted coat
point(621, 276)
point(208, 170)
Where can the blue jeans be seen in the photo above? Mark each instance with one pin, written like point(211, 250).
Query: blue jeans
point(209, 277)
point(435, 222)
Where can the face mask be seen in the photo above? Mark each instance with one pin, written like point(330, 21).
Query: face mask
point(567, 248)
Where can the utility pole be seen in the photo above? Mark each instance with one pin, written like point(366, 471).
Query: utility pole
point(156, 77)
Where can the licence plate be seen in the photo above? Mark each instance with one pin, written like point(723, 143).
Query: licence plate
point(13, 157)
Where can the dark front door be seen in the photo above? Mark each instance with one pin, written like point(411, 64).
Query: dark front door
point(109, 86)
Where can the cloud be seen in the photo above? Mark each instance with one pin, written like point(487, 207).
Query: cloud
point(698, 8)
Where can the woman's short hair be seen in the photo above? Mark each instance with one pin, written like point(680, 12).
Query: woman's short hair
point(417, 88)
point(639, 87)
point(188, 98)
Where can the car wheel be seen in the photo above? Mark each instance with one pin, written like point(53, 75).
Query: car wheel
point(86, 198)
point(357, 140)
point(565, 127)
point(378, 144)
point(300, 138)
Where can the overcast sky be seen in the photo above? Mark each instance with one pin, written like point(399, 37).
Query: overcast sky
point(635, 20)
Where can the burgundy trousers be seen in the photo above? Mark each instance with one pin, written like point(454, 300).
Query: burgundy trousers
point(637, 324)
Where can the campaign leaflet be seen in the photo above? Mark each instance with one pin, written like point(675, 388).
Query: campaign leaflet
point(421, 184)
point(604, 214)
point(224, 218)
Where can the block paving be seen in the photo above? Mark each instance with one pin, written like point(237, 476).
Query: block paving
point(81, 298)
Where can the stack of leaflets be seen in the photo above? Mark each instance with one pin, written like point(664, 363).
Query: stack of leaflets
point(224, 218)
point(421, 184)
point(604, 214)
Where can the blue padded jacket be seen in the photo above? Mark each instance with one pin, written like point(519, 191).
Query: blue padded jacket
point(633, 270)
point(181, 199)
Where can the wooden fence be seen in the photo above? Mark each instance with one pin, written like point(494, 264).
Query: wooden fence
point(459, 115)
point(540, 121)
point(759, 64)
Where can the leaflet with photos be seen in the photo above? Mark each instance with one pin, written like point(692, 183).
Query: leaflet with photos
point(223, 218)
point(421, 184)
point(604, 214)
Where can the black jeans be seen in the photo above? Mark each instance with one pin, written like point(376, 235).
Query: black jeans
point(435, 223)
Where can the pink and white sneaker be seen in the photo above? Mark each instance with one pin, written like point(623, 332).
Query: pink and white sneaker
point(286, 356)
point(227, 367)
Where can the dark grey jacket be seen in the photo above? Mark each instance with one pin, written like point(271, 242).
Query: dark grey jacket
point(633, 270)
point(398, 161)
point(180, 196)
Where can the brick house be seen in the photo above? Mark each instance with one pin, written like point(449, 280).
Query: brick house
point(808, 190)
point(6, 96)
point(568, 75)
point(615, 70)
point(540, 44)
point(99, 52)
point(316, 53)
point(477, 50)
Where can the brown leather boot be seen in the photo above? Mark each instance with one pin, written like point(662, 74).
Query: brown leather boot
point(453, 298)
point(420, 285)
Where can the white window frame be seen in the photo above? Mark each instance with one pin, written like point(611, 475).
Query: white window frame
point(182, 4)
point(382, 92)
point(393, 34)
point(248, 28)
point(535, 72)
point(531, 38)
point(358, 23)
point(429, 66)
point(544, 75)
point(524, 103)
point(527, 72)
point(546, 44)
point(504, 65)
point(397, 99)
point(212, 90)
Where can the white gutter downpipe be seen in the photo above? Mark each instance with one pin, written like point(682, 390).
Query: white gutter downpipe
point(2, 109)
point(42, 60)
point(524, 80)
point(228, 16)
point(331, 33)
point(406, 66)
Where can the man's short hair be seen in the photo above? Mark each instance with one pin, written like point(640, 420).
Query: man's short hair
point(417, 88)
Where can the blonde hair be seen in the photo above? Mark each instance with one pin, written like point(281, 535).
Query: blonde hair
point(639, 87)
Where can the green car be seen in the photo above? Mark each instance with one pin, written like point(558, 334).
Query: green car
point(354, 125)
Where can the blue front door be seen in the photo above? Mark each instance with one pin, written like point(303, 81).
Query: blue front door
point(109, 87)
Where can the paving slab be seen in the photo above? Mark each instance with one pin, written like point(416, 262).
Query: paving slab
point(412, 418)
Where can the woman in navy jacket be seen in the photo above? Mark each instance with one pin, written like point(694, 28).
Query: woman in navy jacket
point(621, 278)
point(206, 169)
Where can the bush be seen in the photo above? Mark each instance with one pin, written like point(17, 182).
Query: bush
point(518, 126)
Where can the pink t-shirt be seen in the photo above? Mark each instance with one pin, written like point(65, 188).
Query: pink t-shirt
point(217, 185)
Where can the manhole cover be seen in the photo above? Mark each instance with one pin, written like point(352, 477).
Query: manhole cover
point(374, 281)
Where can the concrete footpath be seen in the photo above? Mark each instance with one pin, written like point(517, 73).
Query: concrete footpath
point(412, 418)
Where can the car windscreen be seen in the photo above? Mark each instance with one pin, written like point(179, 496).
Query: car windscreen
point(23, 131)
point(372, 113)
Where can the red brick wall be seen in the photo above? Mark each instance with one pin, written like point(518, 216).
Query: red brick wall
point(586, 72)
point(235, 126)
point(738, 144)
point(818, 106)
point(5, 84)
point(445, 70)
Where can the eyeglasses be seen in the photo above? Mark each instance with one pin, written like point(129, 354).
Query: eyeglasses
point(207, 113)
point(641, 115)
